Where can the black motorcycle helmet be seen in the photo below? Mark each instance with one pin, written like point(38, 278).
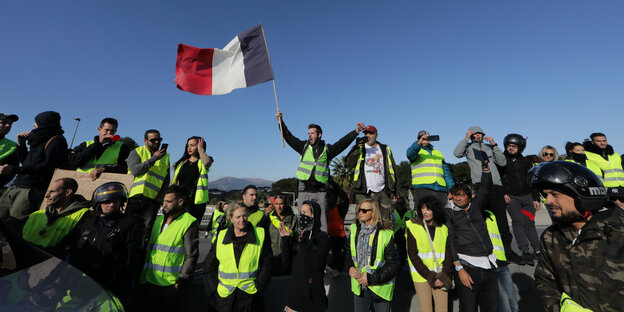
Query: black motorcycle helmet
point(517, 139)
point(108, 191)
point(573, 180)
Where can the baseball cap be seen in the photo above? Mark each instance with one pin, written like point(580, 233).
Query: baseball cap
point(11, 118)
point(370, 128)
point(422, 132)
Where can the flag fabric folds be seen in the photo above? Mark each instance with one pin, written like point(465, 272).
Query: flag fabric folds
point(242, 63)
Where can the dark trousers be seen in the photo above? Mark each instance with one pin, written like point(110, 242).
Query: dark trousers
point(197, 211)
point(239, 301)
point(400, 242)
point(159, 298)
point(484, 293)
point(338, 252)
point(498, 206)
point(144, 208)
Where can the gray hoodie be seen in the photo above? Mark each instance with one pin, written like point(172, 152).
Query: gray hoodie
point(471, 151)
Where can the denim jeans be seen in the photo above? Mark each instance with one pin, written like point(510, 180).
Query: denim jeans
point(365, 303)
point(507, 300)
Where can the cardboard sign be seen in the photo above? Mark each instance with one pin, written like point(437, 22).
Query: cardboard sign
point(85, 185)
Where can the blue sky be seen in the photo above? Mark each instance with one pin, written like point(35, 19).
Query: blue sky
point(549, 70)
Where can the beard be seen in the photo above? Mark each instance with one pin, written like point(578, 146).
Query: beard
point(567, 218)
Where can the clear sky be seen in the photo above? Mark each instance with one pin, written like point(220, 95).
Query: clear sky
point(549, 70)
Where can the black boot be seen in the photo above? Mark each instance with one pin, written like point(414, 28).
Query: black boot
point(527, 258)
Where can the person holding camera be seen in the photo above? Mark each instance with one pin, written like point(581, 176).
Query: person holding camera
point(430, 173)
point(375, 171)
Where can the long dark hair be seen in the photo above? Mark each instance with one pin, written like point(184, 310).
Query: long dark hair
point(435, 206)
point(186, 155)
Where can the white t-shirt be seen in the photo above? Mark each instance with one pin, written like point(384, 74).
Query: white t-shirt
point(374, 168)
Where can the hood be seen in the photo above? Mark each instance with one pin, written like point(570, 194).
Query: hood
point(78, 202)
point(48, 119)
point(591, 147)
point(317, 218)
point(476, 129)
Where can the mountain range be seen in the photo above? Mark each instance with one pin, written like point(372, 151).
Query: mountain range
point(234, 183)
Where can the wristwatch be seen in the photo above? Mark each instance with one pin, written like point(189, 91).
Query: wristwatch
point(458, 268)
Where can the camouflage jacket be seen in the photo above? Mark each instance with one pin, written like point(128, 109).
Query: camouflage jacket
point(588, 267)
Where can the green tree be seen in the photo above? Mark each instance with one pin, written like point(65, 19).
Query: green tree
point(404, 174)
point(284, 185)
point(460, 172)
point(343, 175)
point(130, 142)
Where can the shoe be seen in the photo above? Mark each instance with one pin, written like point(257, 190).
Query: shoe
point(513, 257)
point(527, 258)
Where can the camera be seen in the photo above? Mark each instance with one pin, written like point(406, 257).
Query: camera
point(361, 141)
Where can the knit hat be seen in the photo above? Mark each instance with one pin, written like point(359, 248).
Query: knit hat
point(48, 119)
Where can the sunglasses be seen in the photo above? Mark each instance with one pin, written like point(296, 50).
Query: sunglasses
point(155, 140)
point(362, 210)
point(549, 154)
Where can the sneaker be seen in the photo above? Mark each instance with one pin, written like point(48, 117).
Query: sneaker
point(527, 258)
point(513, 257)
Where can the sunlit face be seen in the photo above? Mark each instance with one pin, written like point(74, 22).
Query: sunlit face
point(561, 206)
point(549, 154)
point(250, 197)
point(427, 213)
point(153, 141)
point(107, 129)
point(578, 149)
point(365, 212)
point(512, 149)
point(171, 203)
point(371, 137)
point(313, 135)
point(477, 137)
point(461, 199)
point(279, 205)
point(191, 147)
point(56, 194)
point(600, 141)
point(307, 210)
point(239, 218)
point(110, 206)
point(5, 127)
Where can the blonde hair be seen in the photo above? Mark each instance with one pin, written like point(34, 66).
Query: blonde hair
point(376, 213)
point(233, 206)
point(543, 150)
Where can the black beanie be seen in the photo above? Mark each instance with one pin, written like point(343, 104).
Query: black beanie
point(48, 119)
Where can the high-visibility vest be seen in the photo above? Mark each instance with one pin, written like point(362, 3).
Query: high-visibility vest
point(307, 163)
point(7, 147)
point(255, 217)
point(569, 305)
point(275, 221)
point(165, 251)
point(214, 227)
point(424, 248)
point(591, 166)
point(242, 276)
point(611, 169)
point(53, 235)
point(495, 237)
point(109, 157)
point(399, 223)
point(356, 174)
point(428, 168)
point(201, 192)
point(386, 290)
point(335, 223)
point(149, 183)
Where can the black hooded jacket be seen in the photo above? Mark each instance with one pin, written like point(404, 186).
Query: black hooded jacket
point(515, 175)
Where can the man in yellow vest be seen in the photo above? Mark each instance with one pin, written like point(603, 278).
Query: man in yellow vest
point(64, 208)
point(430, 173)
point(313, 171)
point(375, 171)
point(601, 153)
point(8, 156)
point(255, 215)
point(149, 164)
point(102, 154)
point(172, 253)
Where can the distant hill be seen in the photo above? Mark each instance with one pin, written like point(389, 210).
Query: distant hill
point(233, 183)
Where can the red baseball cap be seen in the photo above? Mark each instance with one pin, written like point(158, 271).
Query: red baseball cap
point(370, 128)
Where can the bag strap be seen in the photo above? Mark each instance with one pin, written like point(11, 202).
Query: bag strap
point(48, 143)
point(435, 259)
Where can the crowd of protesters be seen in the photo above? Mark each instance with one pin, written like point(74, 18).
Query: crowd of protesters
point(458, 235)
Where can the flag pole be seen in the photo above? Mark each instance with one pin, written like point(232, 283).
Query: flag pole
point(274, 87)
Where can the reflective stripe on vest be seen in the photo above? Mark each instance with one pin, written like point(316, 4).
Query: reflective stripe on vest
point(149, 183)
point(356, 174)
point(276, 223)
point(165, 251)
point(424, 248)
point(109, 157)
point(33, 229)
point(399, 223)
point(385, 290)
point(255, 217)
point(569, 305)
point(495, 237)
point(611, 169)
point(201, 192)
point(242, 276)
point(591, 166)
point(7, 147)
point(307, 164)
point(428, 168)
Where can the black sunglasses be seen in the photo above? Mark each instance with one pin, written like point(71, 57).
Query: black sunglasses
point(364, 210)
point(549, 154)
point(155, 140)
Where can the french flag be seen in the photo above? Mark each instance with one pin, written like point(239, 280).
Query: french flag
point(243, 62)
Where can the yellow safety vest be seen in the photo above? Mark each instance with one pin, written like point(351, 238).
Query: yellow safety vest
point(201, 192)
point(242, 276)
point(424, 248)
point(591, 166)
point(276, 223)
point(7, 147)
point(109, 157)
point(386, 290)
point(165, 251)
point(255, 217)
point(356, 174)
point(214, 227)
point(149, 183)
point(611, 169)
point(399, 223)
point(428, 168)
point(495, 237)
point(569, 305)
point(307, 163)
point(55, 232)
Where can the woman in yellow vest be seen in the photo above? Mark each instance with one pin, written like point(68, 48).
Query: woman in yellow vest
point(191, 173)
point(238, 267)
point(374, 262)
point(575, 152)
point(430, 279)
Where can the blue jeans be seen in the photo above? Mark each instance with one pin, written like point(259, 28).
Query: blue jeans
point(507, 301)
point(366, 302)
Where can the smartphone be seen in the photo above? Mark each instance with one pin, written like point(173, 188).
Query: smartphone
point(164, 146)
point(432, 138)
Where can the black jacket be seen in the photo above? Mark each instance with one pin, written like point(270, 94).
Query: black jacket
point(382, 275)
point(38, 164)
point(82, 154)
point(360, 186)
point(332, 151)
point(515, 175)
